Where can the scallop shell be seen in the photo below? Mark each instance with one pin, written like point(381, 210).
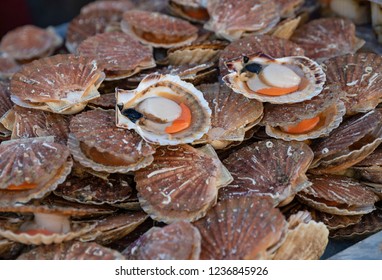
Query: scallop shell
point(194, 10)
point(95, 142)
point(36, 161)
point(115, 6)
point(370, 169)
point(289, 8)
point(60, 84)
point(311, 74)
point(272, 167)
point(338, 195)
point(158, 30)
point(8, 66)
point(327, 105)
point(328, 37)
point(73, 250)
point(30, 42)
point(286, 28)
point(105, 101)
point(256, 16)
point(359, 75)
point(173, 88)
point(241, 228)
point(181, 184)
point(5, 106)
point(120, 55)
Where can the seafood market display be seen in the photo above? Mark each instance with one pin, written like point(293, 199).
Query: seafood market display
point(186, 130)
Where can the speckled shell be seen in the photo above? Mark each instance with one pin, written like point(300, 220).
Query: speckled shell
point(181, 184)
point(115, 6)
point(120, 55)
point(328, 37)
point(303, 66)
point(179, 91)
point(5, 106)
point(36, 161)
point(360, 77)
point(232, 114)
point(338, 195)
point(95, 142)
point(60, 84)
point(327, 105)
point(270, 45)
point(168, 31)
point(241, 228)
point(256, 16)
point(178, 241)
point(105, 101)
point(30, 42)
point(73, 250)
point(192, 10)
point(8, 66)
point(271, 167)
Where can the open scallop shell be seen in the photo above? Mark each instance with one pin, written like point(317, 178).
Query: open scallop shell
point(256, 16)
point(311, 74)
point(192, 10)
point(95, 142)
point(171, 88)
point(8, 66)
point(60, 84)
point(181, 184)
point(158, 30)
point(242, 228)
point(118, 54)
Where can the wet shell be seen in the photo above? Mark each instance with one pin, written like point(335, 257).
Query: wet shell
point(105, 101)
point(328, 37)
point(95, 142)
point(73, 250)
point(33, 166)
point(8, 66)
point(115, 6)
point(30, 42)
point(241, 229)
point(256, 16)
point(173, 89)
point(181, 184)
point(270, 45)
point(178, 241)
point(359, 75)
point(158, 30)
point(271, 167)
point(194, 10)
point(311, 75)
point(338, 195)
point(60, 84)
point(232, 114)
point(118, 54)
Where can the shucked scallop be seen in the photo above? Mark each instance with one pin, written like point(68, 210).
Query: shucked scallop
point(275, 80)
point(164, 110)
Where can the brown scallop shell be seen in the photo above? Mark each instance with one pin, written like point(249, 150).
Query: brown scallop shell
point(273, 168)
point(177, 241)
point(73, 250)
point(286, 28)
point(8, 66)
point(105, 101)
point(30, 42)
point(192, 10)
point(36, 161)
point(241, 228)
point(110, 5)
point(327, 37)
point(158, 30)
point(359, 76)
point(95, 142)
point(270, 45)
point(5, 107)
point(289, 8)
point(338, 195)
point(232, 114)
point(62, 83)
point(327, 105)
point(370, 169)
point(120, 55)
point(181, 184)
point(256, 16)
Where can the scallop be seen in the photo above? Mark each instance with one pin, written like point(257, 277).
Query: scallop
point(277, 81)
point(5, 107)
point(8, 66)
point(194, 10)
point(164, 110)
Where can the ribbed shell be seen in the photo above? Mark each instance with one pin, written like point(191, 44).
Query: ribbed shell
point(271, 167)
point(8, 66)
point(5, 106)
point(338, 195)
point(161, 25)
point(241, 229)
point(73, 250)
point(96, 129)
point(327, 37)
point(370, 169)
point(178, 241)
point(115, 6)
point(360, 77)
point(120, 55)
point(181, 184)
point(230, 19)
